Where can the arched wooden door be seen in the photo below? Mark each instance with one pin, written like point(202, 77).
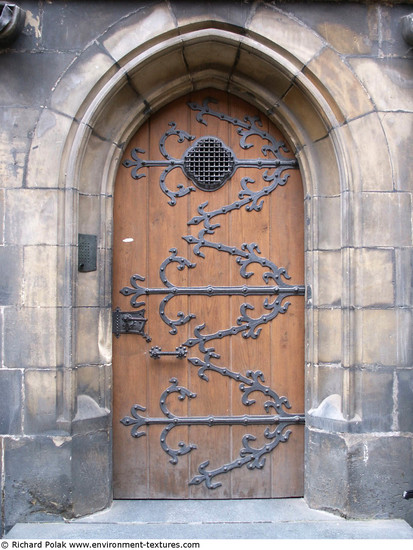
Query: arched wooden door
point(208, 350)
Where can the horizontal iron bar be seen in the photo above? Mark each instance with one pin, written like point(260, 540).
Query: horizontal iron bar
point(299, 290)
point(244, 420)
point(238, 163)
point(264, 163)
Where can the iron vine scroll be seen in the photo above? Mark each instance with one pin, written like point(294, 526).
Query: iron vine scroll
point(251, 456)
point(209, 164)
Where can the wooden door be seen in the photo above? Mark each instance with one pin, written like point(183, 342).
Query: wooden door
point(208, 290)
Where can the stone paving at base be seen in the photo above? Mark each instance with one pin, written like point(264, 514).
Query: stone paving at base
point(213, 519)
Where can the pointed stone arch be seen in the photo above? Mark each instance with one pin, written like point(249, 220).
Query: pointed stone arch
point(140, 64)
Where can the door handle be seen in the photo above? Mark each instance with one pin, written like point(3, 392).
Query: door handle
point(180, 352)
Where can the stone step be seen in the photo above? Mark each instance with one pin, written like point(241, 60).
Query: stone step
point(213, 519)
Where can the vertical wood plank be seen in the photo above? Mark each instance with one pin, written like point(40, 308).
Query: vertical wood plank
point(166, 227)
point(249, 354)
point(129, 352)
point(213, 396)
point(287, 330)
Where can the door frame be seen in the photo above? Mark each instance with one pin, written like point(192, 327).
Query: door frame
point(312, 120)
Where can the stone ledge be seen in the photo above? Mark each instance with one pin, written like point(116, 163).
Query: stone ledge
point(211, 519)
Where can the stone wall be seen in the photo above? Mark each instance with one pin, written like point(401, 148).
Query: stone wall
point(81, 78)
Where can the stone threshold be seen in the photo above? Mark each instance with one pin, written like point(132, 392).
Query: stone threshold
point(213, 519)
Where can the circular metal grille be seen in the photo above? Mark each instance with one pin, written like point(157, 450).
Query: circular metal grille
point(209, 163)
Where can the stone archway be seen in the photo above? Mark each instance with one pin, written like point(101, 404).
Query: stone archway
point(265, 64)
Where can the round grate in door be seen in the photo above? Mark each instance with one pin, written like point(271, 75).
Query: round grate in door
point(209, 163)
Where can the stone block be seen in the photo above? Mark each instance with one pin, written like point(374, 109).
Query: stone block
point(371, 148)
point(92, 472)
point(348, 31)
point(41, 277)
point(388, 81)
point(373, 279)
point(188, 13)
point(379, 471)
point(16, 128)
point(93, 170)
point(328, 285)
point(404, 332)
point(329, 329)
point(94, 335)
point(90, 214)
point(94, 65)
point(249, 66)
point(88, 290)
point(41, 70)
point(37, 479)
point(31, 338)
point(327, 488)
point(90, 381)
point(51, 133)
point(304, 111)
point(341, 83)
point(1, 336)
point(347, 164)
point(286, 32)
point(386, 219)
point(65, 28)
point(405, 400)
point(404, 277)
point(324, 176)
point(40, 411)
point(32, 216)
point(140, 27)
point(398, 128)
point(112, 124)
point(87, 335)
point(308, 236)
point(2, 216)
point(383, 337)
point(94, 287)
point(329, 383)
point(10, 275)
point(374, 399)
point(170, 66)
point(327, 216)
point(10, 402)
point(201, 54)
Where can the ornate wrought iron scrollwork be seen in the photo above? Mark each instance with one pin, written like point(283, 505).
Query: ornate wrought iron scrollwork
point(248, 455)
point(249, 326)
point(170, 163)
point(209, 163)
point(249, 126)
